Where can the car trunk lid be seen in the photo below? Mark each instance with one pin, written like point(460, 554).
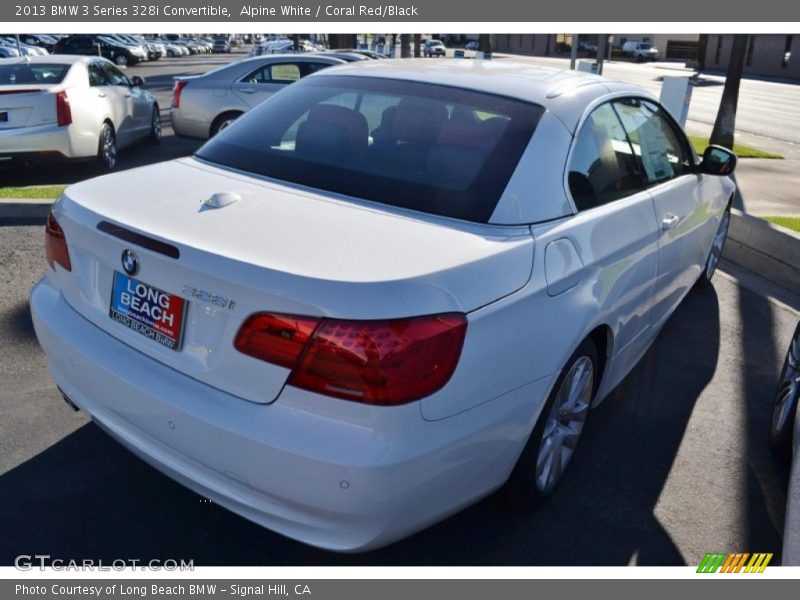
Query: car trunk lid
point(26, 106)
point(262, 246)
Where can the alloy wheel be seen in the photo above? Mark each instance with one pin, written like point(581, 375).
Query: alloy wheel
point(108, 148)
point(564, 424)
point(225, 124)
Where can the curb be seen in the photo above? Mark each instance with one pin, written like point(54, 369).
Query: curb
point(770, 251)
point(25, 209)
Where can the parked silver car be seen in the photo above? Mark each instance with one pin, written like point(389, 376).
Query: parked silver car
point(205, 104)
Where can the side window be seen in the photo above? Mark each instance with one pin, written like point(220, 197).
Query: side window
point(96, 76)
point(258, 76)
point(662, 148)
point(275, 73)
point(603, 167)
point(114, 75)
point(285, 72)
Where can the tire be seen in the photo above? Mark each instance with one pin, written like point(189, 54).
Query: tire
point(717, 246)
point(784, 409)
point(107, 148)
point(120, 60)
point(535, 476)
point(154, 136)
point(222, 121)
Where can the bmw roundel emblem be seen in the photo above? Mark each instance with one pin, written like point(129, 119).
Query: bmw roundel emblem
point(130, 262)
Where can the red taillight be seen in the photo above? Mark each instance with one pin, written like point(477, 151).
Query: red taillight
point(55, 244)
point(276, 339)
point(176, 93)
point(63, 111)
point(385, 363)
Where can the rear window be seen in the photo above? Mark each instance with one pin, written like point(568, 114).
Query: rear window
point(32, 74)
point(426, 147)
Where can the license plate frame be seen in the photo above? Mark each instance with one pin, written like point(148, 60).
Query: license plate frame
point(140, 306)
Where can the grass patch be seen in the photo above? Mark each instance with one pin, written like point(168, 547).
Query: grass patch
point(792, 223)
point(700, 144)
point(36, 192)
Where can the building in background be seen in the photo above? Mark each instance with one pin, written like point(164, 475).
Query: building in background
point(671, 46)
point(768, 55)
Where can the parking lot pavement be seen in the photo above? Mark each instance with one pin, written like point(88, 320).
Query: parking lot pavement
point(159, 80)
point(675, 463)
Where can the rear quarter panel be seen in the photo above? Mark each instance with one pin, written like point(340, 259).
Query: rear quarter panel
point(88, 112)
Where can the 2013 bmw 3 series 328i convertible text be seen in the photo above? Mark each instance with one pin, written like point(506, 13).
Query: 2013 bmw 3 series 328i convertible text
point(383, 293)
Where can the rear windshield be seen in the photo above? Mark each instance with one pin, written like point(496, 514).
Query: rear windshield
point(441, 150)
point(28, 74)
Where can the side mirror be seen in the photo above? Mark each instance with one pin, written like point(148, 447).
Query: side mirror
point(137, 81)
point(718, 161)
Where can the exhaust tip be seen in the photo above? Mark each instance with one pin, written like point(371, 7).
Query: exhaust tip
point(68, 401)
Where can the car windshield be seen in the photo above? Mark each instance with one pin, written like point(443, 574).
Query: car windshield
point(27, 74)
point(437, 149)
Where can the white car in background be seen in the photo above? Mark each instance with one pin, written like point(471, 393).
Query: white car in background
point(640, 50)
point(384, 292)
point(7, 51)
point(25, 49)
point(71, 107)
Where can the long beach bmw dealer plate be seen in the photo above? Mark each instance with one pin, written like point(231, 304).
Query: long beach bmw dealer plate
point(148, 310)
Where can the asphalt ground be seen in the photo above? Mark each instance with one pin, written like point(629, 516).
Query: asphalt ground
point(674, 464)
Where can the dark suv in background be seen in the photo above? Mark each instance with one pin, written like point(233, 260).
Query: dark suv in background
point(89, 44)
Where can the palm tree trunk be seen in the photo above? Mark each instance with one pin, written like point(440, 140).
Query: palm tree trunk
point(702, 49)
point(405, 45)
point(725, 125)
point(417, 45)
point(485, 44)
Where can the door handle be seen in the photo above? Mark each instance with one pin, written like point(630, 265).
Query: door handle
point(127, 95)
point(670, 221)
point(248, 90)
point(101, 94)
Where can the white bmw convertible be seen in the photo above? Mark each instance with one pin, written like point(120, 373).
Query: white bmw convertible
point(382, 294)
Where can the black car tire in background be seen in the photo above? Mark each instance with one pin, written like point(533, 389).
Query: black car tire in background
point(784, 409)
point(155, 127)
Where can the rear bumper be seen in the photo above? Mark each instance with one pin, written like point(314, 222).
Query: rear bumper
point(42, 141)
point(185, 126)
point(334, 474)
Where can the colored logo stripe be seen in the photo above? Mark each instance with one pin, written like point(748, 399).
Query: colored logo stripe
point(711, 562)
point(758, 563)
point(734, 562)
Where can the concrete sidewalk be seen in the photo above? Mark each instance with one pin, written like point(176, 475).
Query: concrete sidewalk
point(766, 186)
